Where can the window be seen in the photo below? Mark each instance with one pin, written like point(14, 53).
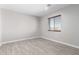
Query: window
point(55, 23)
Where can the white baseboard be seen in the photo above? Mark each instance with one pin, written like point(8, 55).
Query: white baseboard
point(18, 40)
point(61, 42)
point(40, 37)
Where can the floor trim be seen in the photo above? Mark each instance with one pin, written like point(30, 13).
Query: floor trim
point(61, 42)
point(43, 38)
point(17, 40)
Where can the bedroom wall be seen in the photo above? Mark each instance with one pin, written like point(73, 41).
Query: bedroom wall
point(17, 26)
point(0, 27)
point(70, 26)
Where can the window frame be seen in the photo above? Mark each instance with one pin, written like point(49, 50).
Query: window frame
point(49, 19)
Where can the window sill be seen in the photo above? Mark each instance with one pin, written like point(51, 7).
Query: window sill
point(55, 30)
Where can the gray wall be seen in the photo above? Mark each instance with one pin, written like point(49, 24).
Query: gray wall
point(17, 26)
point(70, 26)
point(0, 27)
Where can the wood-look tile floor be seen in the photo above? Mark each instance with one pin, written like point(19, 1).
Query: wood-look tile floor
point(37, 47)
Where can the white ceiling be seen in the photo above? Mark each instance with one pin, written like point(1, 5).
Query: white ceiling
point(32, 9)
